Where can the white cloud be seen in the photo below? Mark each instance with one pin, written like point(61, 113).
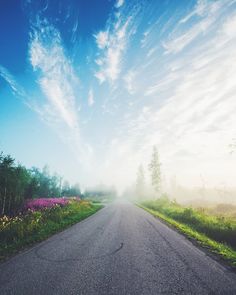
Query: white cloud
point(200, 9)
point(177, 44)
point(102, 39)
point(129, 82)
point(229, 27)
point(90, 97)
point(119, 3)
point(16, 88)
point(182, 101)
point(188, 111)
point(100, 76)
point(59, 84)
point(204, 8)
point(113, 45)
point(208, 13)
point(56, 75)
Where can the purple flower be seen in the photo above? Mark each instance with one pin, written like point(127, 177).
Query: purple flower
point(40, 204)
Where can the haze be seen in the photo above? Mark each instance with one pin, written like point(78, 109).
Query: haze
point(89, 89)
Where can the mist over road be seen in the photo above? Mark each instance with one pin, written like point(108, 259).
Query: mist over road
point(120, 250)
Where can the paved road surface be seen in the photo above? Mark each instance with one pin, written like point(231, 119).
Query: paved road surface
point(119, 250)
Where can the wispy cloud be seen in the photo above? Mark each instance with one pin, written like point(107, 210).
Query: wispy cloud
point(56, 75)
point(229, 27)
point(90, 97)
point(8, 77)
point(129, 81)
point(207, 12)
point(17, 89)
point(170, 81)
point(112, 42)
point(102, 39)
point(177, 44)
point(189, 109)
point(59, 83)
point(119, 3)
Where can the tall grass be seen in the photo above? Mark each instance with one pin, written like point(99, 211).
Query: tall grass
point(218, 228)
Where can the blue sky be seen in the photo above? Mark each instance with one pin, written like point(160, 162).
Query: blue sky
point(88, 87)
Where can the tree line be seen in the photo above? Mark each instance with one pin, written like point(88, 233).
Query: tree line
point(17, 183)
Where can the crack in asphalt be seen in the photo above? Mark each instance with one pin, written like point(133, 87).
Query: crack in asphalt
point(118, 249)
point(41, 257)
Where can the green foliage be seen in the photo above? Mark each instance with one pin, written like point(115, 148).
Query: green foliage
point(20, 231)
point(217, 228)
point(70, 191)
point(221, 249)
point(14, 180)
point(18, 183)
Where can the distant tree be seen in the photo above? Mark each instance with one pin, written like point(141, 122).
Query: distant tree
point(70, 191)
point(34, 188)
point(155, 170)
point(75, 190)
point(140, 182)
point(65, 188)
point(43, 184)
point(100, 193)
point(55, 185)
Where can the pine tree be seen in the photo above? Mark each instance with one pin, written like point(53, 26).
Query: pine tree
point(155, 170)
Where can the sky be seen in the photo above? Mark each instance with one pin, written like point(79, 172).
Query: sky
point(89, 87)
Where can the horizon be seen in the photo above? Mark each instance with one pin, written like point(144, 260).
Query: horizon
point(89, 92)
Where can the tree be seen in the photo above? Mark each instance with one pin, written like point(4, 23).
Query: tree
point(14, 180)
point(155, 170)
point(6, 167)
point(140, 182)
point(70, 190)
point(65, 188)
point(18, 183)
point(43, 184)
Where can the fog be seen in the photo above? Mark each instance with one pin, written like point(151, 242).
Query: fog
point(99, 98)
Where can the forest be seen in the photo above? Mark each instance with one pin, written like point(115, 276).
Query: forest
point(18, 184)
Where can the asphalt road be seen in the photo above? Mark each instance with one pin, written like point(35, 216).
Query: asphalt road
point(120, 250)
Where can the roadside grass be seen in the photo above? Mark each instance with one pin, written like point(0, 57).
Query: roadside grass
point(215, 233)
point(24, 230)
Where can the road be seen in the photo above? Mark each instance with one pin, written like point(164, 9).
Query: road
point(120, 250)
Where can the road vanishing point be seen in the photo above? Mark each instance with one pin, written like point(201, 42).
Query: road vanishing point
point(121, 249)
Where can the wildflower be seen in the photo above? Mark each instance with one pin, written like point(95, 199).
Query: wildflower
point(43, 203)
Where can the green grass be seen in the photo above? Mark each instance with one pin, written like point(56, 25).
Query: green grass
point(19, 232)
point(215, 233)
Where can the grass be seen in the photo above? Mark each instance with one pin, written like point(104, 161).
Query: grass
point(215, 233)
point(24, 230)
